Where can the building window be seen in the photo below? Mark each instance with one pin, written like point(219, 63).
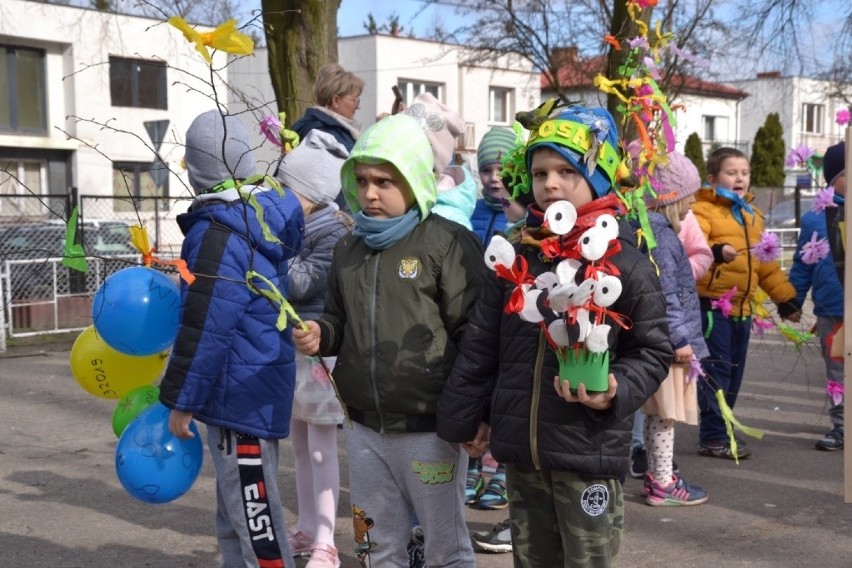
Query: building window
point(136, 186)
point(499, 105)
point(22, 90)
point(812, 116)
point(25, 178)
point(715, 128)
point(137, 83)
point(411, 89)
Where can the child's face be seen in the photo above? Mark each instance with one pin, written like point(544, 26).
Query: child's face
point(684, 205)
point(733, 174)
point(492, 184)
point(382, 191)
point(555, 179)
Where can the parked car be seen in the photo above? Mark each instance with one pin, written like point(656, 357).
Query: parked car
point(783, 215)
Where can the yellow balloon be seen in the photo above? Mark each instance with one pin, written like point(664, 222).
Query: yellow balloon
point(106, 373)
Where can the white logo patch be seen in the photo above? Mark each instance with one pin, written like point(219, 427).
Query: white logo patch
point(595, 499)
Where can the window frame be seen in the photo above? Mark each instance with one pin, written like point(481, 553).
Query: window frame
point(507, 93)
point(133, 77)
point(808, 117)
point(9, 51)
point(407, 87)
point(137, 169)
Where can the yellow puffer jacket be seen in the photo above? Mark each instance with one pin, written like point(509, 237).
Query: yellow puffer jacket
point(745, 272)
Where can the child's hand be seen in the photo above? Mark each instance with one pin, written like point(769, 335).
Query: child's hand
point(729, 253)
point(598, 400)
point(307, 342)
point(683, 355)
point(794, 317)
point(179, 424)
point(478, 445)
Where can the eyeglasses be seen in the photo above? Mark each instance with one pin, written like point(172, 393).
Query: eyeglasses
point(356, 99)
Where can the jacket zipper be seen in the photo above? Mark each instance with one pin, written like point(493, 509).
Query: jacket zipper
point(373, 341)
point(536, 397)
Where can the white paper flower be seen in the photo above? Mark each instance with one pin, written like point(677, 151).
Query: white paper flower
point(530, 312)
point(608, 225)
point(607, 290)
point(567, 269)
point(546, 281)
point(594, 243)
point(597, 340)
point(583, 293)
point(558, 332)
point(499, 251)
point(560, 217)
point(561, 297)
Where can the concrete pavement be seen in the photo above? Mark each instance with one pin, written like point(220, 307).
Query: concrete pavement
point(62, 506)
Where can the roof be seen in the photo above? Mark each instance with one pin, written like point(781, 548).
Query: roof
point(580, 74)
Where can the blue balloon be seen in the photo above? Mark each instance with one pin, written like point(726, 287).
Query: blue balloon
point(152, 464)
point(137, 311)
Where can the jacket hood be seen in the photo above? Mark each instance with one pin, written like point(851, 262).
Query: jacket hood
point(398, 140)
point(458, 202)
point(282, 215)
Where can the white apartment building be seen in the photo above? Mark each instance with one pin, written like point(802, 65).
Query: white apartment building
point(86, 95)
point(483, 94)
point(805, 107)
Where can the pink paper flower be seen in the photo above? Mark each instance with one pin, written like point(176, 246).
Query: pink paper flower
point(815, 250)
point(760, 325)
point(798, 156)
point(769, 247)
point(695, 370)
point(835, 390)
point(824, 198)
point(723, 303)
point(842, 117)
point(270, 126)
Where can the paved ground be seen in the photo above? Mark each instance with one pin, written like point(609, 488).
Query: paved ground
point(62, 506)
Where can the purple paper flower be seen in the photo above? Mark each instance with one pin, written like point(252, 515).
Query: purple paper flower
point(270, 126)
point(835, 390)
point(769, 247)
point(695, 370)
point(798, 156)
point(760, 325)
point(824, 198)
point(638, 42)
point(842, 117)
point(815, 250)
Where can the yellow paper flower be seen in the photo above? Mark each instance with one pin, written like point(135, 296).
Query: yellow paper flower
point(224, 38)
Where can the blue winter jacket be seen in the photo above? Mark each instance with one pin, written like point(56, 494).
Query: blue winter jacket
point(487, 221)
point(821, 278)
point(314, 118)
point(683, 310)
point(230, 366)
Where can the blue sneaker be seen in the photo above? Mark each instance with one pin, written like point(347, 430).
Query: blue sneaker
point(473, 486)
point(495, 496)
point(676, 493)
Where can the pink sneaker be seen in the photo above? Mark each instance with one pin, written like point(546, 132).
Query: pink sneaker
point(323, 556)
point(300, 543)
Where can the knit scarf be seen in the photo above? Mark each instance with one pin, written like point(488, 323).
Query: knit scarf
point(738, 204)
point(380, 234)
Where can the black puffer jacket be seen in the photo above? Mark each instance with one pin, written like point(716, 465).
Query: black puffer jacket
point(504, 375)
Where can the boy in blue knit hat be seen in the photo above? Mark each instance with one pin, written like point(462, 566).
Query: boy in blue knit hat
point(564, 446)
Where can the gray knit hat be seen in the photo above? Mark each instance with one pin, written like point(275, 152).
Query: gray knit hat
point(312, 169)
point(494, 146)
point(205, 160)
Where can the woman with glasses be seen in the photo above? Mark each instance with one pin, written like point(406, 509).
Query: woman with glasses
point(338, 95)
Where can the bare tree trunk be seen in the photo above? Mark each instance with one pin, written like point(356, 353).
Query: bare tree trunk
point(301, 37)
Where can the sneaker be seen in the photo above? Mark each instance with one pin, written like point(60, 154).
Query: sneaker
point(832, 440)
point(722, 449)
point(676, 493)
point(638, 462)
point(498, 539)
point(494, 496)
point(323, 556)
point(416, 554)
point(646, 483)
point(300, 543)
point(473, 486)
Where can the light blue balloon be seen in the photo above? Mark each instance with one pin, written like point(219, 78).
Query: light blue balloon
point(137, 311)
point(153, 465)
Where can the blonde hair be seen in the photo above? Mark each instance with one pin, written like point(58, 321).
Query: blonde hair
point(673, 211)
point(332, 79)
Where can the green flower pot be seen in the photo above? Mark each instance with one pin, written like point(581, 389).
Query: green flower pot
point(583, 367)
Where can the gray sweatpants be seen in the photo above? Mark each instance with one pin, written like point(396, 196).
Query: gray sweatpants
point(393, 475)
point(249, 516)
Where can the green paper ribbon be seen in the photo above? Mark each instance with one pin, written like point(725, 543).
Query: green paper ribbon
point(73, 256)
